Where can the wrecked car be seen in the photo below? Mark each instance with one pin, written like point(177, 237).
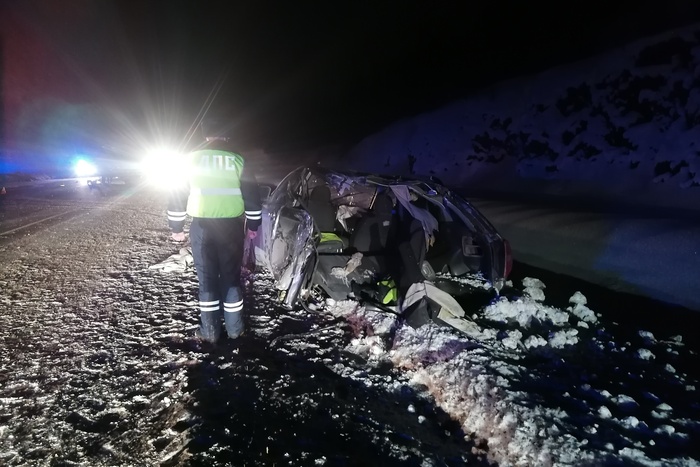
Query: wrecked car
point(386, 241)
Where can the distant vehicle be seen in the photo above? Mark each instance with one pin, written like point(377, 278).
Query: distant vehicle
point(106, 166)
point(344, 235)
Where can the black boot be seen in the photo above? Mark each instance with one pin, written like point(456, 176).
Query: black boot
point(210, 327)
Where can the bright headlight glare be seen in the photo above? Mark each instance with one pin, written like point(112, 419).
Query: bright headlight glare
point(164, 168)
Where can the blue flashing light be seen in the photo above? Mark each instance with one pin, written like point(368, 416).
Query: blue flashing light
point(84, 168)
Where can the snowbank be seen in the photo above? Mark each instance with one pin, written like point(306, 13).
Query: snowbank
point(542, 386)
point(618, 127)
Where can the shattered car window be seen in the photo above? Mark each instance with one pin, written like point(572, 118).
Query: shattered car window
point(351, 191)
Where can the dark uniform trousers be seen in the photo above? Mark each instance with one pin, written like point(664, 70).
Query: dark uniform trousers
point(217, 249)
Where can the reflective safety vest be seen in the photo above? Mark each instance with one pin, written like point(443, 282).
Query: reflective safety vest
point(388, 293)
point(215, 184)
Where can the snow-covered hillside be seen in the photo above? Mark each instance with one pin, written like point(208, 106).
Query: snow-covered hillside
point(621, 126)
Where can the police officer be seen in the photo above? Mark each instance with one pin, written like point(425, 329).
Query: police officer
point(221, 190)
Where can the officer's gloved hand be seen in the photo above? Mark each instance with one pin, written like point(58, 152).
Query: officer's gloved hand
point(178, 236)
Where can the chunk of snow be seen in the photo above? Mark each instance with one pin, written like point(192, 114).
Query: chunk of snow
point(647, 336)
point(578, 298)
point(630, 422)
point(665, 430)
point(535, 341)
point(583, 313)
point(563, 338)
point(626, 402)
point(535, 293)
point(664, 407)
point(645, 354)
point(531, 282)
point(523, 311)
point(512, 341)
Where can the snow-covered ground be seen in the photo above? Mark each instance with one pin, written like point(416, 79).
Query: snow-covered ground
point(98, 367)
point(549, 386)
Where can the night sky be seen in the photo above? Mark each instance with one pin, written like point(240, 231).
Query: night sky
point(293, 74)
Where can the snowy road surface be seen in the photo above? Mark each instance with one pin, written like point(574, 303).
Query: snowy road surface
point(98, 367)
point(638, 250)
point(25, 209)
